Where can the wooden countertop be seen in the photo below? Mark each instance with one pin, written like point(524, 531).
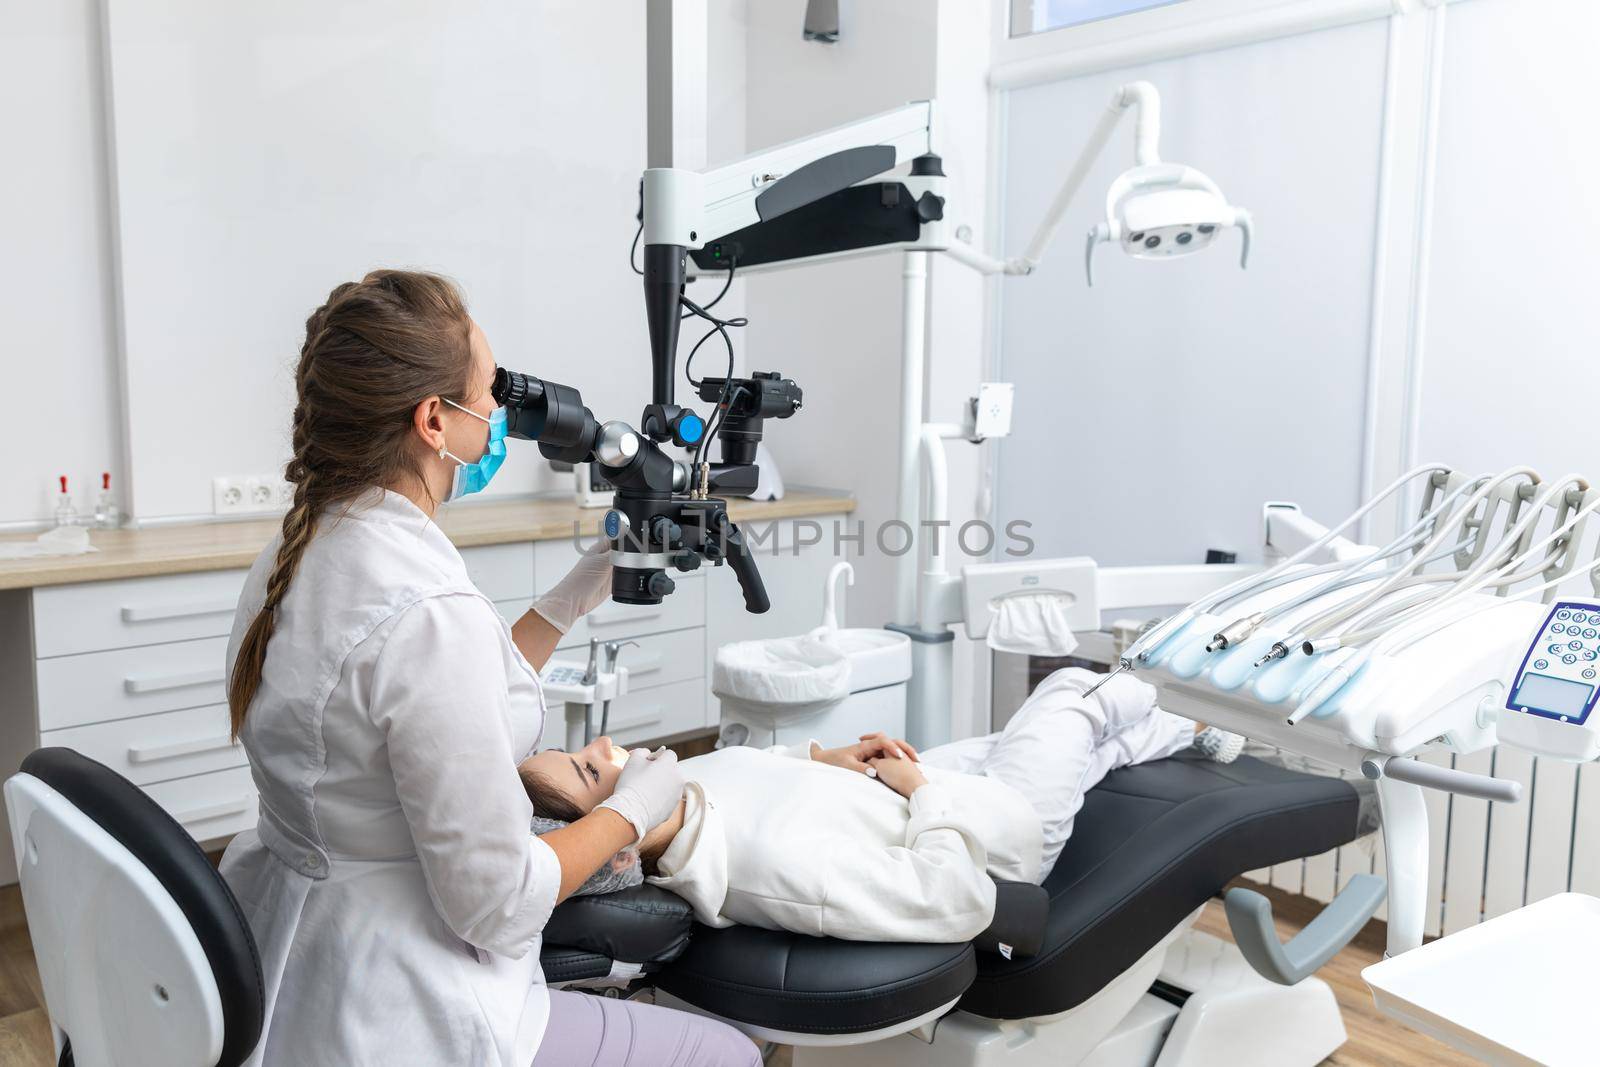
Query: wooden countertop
point(224, 546)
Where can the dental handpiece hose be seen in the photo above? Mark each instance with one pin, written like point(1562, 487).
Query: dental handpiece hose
point(1141, 648)
point(1492, 569)
point(1324, 625)
point(1398, 636)
point(1347, 573)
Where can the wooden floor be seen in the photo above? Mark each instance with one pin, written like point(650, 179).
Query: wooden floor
point(1374, 1038)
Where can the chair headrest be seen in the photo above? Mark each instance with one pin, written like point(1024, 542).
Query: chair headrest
point(157, 841)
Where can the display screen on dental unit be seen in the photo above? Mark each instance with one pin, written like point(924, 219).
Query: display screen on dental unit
point(1554, 696)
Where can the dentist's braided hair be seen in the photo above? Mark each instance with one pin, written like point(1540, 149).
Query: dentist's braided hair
point(372, 353)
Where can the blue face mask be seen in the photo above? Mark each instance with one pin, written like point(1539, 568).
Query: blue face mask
point(471, 477)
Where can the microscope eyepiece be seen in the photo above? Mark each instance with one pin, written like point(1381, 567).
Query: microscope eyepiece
point(552, 414)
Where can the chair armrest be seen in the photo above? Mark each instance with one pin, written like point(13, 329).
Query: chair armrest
point(1017, 930)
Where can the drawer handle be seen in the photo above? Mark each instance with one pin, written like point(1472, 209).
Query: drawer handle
point(156, 753)
point(645, 666)
point(179, 611)
point(213, 811)
point(646, 720)
point(158, 682)
point(614, 616)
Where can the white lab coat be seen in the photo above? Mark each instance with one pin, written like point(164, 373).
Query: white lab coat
point(774, 839)
point(395, 892)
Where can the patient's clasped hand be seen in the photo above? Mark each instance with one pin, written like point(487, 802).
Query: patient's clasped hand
point(875, 841)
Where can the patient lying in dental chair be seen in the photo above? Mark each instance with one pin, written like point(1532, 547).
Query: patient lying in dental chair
point(874, 841)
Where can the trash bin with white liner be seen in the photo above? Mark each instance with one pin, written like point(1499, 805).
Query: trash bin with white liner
point(831, 685)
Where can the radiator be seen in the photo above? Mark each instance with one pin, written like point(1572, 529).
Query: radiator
point(1485, 859)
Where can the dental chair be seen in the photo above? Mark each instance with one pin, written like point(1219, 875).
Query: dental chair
point(1113, 976)
point(145, 958)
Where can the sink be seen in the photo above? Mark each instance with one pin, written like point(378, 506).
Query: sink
point(877, 657)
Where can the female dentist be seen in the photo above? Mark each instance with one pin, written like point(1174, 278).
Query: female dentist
point(393, 886)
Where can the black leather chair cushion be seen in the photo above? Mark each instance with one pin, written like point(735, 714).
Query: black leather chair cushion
point(815, 985)
point(122, 810)
point(645, 925)
point(1152, 844)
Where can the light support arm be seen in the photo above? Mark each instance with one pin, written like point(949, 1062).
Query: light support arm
point(1141, 95)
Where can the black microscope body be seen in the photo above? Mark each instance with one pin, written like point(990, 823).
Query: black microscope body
point(663, 513)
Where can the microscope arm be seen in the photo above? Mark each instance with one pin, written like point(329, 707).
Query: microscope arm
point(689, 208)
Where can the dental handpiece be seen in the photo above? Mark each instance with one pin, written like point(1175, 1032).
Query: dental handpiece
point(613, 650)
point(591, 676)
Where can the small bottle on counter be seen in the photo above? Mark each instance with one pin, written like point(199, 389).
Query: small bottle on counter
point(66, 514)
point(107, 516)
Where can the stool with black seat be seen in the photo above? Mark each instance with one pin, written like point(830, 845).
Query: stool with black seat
point(144, 955)
point(1115, 975)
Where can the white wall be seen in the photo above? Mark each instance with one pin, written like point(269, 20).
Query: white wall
point(266, 153)
point(57, 336)
point(1158, 409)
point(1511, 329)
point(259, 156)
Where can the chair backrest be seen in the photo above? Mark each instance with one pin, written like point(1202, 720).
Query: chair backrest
point(143, 953)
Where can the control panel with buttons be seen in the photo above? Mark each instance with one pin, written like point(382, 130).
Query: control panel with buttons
point(1551, 699)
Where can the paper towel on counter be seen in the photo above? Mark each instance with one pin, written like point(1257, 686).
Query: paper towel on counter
point(61, 541)
point(1033, 624)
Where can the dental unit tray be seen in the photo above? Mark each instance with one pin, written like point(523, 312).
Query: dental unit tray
point(1454, 637)
point(1519, 672)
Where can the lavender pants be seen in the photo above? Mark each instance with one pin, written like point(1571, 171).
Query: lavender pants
point(592, 1031)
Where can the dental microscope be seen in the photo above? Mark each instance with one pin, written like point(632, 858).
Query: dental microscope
point(663, 513)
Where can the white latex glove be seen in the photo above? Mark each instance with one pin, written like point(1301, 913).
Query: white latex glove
point(648, 790)
point(586, 587)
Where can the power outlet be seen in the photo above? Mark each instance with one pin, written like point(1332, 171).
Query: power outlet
point(256, 494)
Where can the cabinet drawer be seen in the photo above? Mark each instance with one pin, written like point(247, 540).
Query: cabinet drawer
point(664, 659)
point(210, 805)
point(660, 711)
point(96, 616)
point(154, 748)
point(685, 608)
point(501, 572)
point(105, 686)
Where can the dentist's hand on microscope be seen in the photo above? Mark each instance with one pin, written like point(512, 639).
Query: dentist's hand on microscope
point(586, 587)
point(552, 616)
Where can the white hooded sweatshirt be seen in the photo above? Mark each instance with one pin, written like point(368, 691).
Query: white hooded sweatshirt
point(773, 839)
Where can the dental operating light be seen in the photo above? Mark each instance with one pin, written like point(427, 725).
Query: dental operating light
point(1154, 210)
